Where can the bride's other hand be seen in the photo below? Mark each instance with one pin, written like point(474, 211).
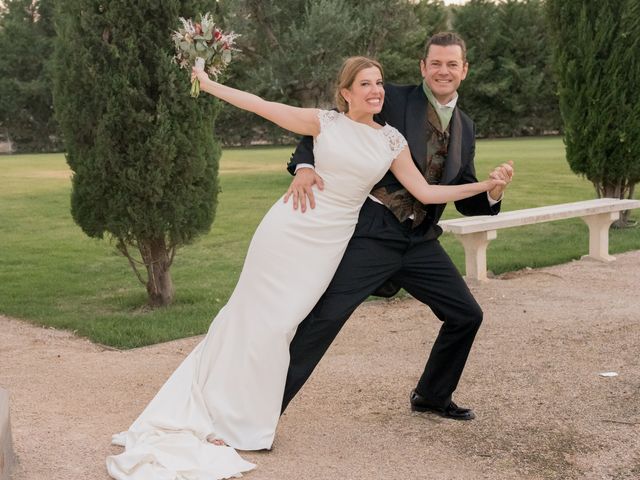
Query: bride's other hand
point(301, 188)
point(492, 183)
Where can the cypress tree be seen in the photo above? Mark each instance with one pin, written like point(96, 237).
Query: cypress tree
point(598, 68)
point(142, 152)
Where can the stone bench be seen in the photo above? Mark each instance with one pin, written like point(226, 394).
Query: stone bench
point(475, 232)
point(6, 445)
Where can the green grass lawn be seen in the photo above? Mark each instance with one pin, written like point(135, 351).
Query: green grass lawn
point(53, 275)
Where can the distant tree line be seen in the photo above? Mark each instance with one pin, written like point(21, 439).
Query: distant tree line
point(291, 51)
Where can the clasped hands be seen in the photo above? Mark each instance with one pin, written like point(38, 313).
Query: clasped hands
point(504, 174)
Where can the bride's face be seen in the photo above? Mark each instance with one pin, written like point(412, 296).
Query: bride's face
point(366, 93)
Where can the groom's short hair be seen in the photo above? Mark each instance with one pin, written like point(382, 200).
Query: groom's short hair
point(444, 39)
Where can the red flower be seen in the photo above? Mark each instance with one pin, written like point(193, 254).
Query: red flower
point(217, 35)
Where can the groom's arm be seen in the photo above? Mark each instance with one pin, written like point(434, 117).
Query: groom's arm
point(302, 165)
point(303, 155)
point(478, 204)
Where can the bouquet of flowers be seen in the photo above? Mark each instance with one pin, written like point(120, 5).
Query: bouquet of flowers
point(203, 45)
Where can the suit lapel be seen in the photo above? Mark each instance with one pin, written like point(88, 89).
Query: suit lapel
point(415, 120)
point(454, 153)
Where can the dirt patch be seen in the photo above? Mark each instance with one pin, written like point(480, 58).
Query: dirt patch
point(544, 412)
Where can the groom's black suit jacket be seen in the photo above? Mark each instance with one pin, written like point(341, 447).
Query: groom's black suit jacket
point(405, 108)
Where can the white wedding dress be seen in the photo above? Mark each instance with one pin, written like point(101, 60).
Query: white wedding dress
point(231, 386)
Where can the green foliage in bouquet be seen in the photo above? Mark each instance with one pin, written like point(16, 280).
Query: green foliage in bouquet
point(143, 155)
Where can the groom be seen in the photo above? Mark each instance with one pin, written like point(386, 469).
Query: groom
point(395, 244)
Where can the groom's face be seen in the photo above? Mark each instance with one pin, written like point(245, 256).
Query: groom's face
point(443, 69)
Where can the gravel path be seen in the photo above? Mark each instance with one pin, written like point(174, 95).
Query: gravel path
point(544, 412)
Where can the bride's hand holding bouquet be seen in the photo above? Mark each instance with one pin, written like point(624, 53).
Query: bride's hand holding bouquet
point(199, 75)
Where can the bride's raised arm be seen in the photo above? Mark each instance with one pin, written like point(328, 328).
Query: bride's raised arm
point(410, 177)
point(303, 121)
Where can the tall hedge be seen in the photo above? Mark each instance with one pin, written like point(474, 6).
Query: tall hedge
point(142, 151)
point(597, 61)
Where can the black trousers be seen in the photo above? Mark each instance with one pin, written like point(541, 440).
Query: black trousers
point(381, 249)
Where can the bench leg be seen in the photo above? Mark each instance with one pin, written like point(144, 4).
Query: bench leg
point(475, 253)
point(599, 235)
point(7, 459)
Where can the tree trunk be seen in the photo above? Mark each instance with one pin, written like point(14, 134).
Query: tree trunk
point(624, 215)
point(157, 259)
point(622, 189)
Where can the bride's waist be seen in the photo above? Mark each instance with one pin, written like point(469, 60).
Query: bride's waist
point(341, 195)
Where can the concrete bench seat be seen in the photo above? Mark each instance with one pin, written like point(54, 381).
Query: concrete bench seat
point(475, 233)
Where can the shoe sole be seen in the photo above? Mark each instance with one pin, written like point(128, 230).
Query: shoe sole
point(440, 413)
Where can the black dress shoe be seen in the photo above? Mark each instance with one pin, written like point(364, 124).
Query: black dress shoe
point(419, 404)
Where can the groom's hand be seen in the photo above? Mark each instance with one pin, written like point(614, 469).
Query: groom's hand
point(301, 188)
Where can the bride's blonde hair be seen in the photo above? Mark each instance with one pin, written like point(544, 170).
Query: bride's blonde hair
point(350, 68)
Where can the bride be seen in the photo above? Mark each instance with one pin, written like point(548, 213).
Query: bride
point(227, 393)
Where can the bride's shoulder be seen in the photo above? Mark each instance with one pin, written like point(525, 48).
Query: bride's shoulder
point(327, 117)
point(395, 139)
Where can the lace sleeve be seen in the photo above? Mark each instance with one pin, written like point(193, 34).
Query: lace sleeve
point(395, 140)
point(327, 117)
